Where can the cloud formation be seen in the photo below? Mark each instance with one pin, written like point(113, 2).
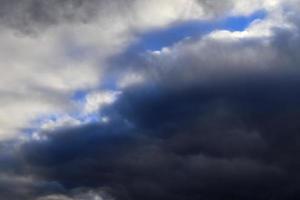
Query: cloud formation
point(218, 142)
point(51, 49)
point(85, 116)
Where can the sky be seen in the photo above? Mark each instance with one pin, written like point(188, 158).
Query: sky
point(149, 99)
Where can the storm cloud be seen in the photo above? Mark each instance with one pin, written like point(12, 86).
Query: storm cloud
point(95, 114)
point(234, 140)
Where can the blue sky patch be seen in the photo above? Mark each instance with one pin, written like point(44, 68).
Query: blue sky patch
point(155, 40)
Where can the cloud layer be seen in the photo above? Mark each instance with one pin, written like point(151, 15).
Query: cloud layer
point(86, 115)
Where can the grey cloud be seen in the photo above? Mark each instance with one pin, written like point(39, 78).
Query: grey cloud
point(46, 69)
point(213, 143)
point(31, 15)
point(15, 187)
point(216, 7)
point(215, 119)
point(206, 60)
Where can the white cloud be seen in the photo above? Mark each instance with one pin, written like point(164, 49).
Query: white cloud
point(40, 72)
point(261, 28)
point(224, 54)
point(64, 121)
point(130, 79)
point(96, 100)
point(88, 110)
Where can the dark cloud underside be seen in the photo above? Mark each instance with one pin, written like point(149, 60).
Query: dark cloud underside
point(236, 141)
point(214, 117)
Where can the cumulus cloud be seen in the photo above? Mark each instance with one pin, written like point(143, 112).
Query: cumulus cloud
point(212, 116)
point(96, 100)
point(216, 142)
point(51, 49)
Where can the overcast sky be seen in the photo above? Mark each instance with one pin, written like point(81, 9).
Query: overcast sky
point(149, 99)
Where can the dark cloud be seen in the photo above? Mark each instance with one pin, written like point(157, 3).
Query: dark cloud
point(32, 16)
point(212, 123)
point(15, 187)
point(232, 140)
point(28, 14)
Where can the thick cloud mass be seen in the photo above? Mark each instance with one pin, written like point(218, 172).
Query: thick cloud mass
point(51, 49)
point(226, 141)
point(86, 116)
